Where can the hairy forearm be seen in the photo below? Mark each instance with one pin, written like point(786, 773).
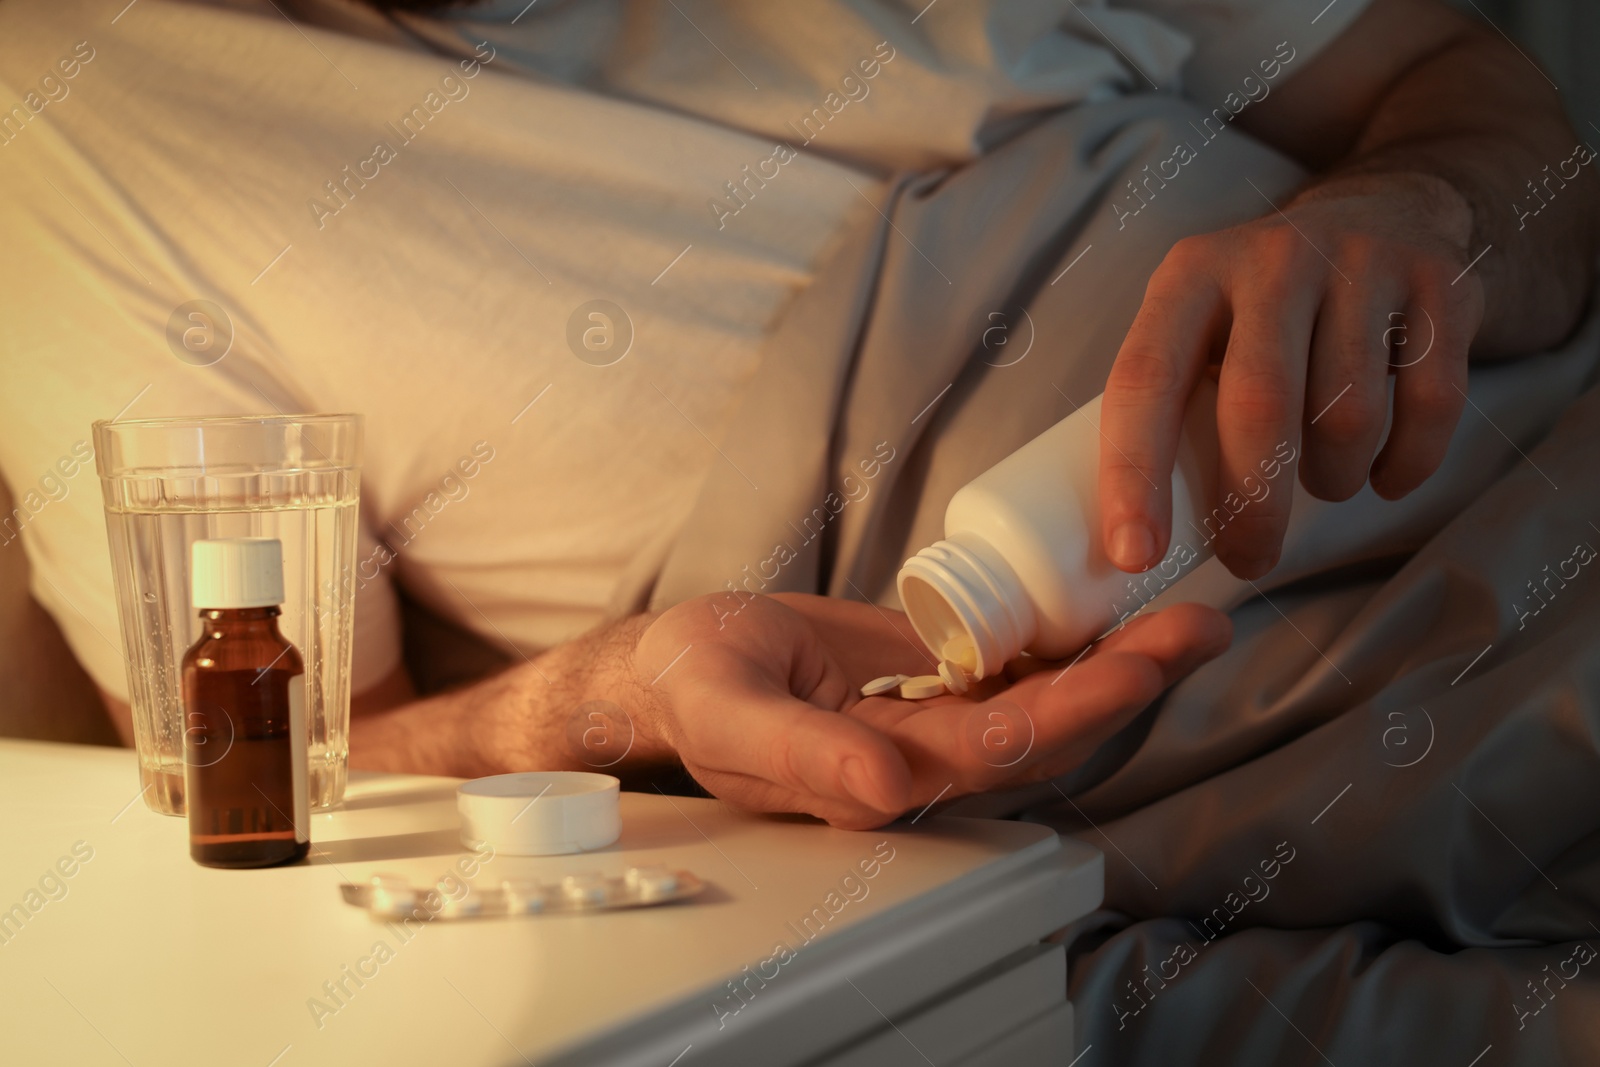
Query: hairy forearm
point(1483, 124)
point(530, 716)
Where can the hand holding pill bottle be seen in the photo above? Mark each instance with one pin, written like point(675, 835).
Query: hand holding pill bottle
point(1022, 566)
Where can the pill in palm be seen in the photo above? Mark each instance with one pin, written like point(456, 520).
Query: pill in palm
point(879, 686)
point(960, 651)
point(922, 687)
point(954, 678)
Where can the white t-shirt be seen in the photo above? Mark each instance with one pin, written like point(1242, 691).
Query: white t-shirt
point(403, 216)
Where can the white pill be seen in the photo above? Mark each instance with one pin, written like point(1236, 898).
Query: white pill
point(391, 895)
point(960, 651)
point(460, 907)
point(922, 686)
point(954, 678)
point(879, 686)
point(523, 896)
point(586, 888)
point(650, 883)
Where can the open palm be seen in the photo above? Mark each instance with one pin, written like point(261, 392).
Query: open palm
point(764, 707)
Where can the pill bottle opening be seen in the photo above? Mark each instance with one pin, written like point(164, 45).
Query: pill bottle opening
point(961, 588)
point(931, 615)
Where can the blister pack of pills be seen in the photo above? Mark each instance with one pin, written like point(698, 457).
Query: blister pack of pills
point(389, 896)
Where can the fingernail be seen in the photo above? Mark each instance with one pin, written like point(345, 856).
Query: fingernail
point(1132, 545)
point(1256, 567)
point(860, 784)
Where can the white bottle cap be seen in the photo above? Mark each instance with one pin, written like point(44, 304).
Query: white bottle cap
point(540, 813)
point(236, 572)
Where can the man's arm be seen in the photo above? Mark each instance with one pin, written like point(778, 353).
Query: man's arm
point(759, 698)
point(1429, 129)
point(745, 728)
point(518, 719)
point(1416, 88)
point(392, 691)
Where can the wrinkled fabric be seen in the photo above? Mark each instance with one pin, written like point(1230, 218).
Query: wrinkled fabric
point(1359, 995)
point(796, 73)
point(1443, 810)
point(1440, 806)
point(905, 368)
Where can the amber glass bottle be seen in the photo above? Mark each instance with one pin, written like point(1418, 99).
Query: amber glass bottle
point(244, 739)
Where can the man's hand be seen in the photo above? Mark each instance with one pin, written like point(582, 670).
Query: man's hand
point(1300, 305)
point(759, 698)
point(763, 706)
point(1050, 721)
point(747, 694)
point(1430, 131)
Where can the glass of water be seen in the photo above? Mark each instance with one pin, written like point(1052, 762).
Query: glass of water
point(170, 482)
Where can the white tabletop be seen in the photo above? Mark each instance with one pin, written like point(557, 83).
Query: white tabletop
point(143, 957)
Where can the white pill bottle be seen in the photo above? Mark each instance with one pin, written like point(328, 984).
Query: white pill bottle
point(1023, 566)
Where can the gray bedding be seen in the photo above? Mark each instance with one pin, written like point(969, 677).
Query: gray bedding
point(1364, 835)
point(1442, 808)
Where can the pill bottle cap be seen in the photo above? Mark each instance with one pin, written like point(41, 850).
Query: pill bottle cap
point(236, 572)
point(540, 813)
